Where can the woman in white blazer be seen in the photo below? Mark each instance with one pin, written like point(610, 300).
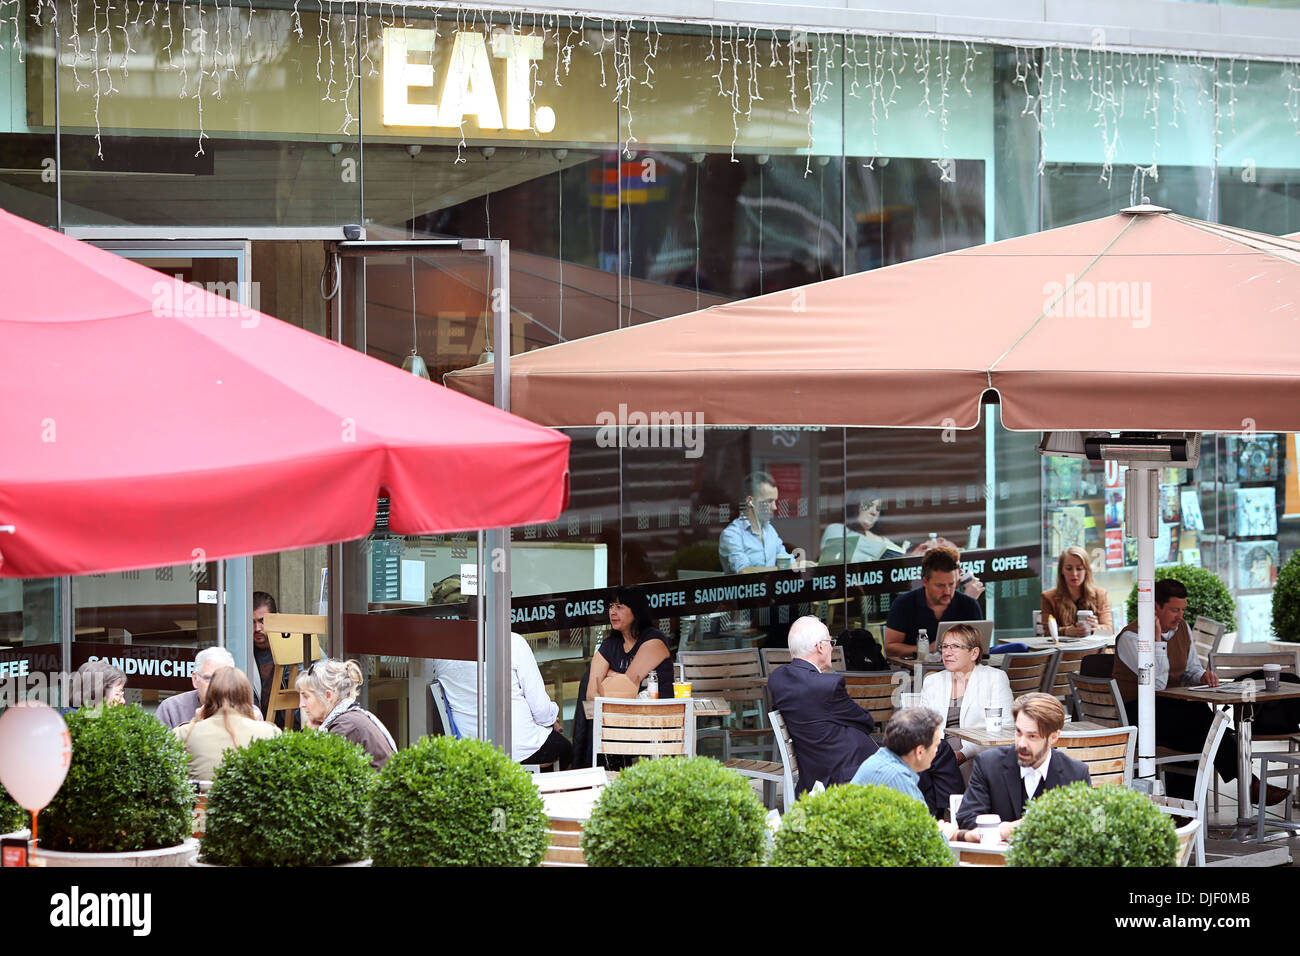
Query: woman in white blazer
point(963, 678)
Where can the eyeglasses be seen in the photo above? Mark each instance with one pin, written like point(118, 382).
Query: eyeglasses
point(955, 647)
point(827, 640)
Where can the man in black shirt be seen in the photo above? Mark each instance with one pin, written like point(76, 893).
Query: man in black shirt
point(937, 599)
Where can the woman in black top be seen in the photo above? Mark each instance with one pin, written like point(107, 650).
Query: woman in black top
point(634, 647)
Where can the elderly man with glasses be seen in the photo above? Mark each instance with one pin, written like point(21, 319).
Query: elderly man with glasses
point(829, 731)
point(181, 709)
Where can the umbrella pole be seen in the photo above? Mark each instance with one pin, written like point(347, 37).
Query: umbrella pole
point(1141, 498)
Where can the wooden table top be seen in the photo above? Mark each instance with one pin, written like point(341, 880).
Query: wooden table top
point(704, 707)
point(1233, 692)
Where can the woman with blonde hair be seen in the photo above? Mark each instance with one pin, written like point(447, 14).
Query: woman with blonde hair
point(327, 695)
point(226, 721)
point(1076, 591)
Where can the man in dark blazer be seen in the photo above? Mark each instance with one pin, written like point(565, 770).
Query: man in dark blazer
point(829, 731)
point(1006, 778)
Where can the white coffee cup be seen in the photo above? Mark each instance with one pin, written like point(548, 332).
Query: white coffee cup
point(989, 825)
point(993, 719)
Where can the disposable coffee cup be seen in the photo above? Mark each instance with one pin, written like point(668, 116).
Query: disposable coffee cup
point(783, 564)
point(988, 825)
point(681, 688)
point(993, 719)
point(1272, 676)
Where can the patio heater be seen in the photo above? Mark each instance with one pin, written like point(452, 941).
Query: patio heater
point(1144, 453)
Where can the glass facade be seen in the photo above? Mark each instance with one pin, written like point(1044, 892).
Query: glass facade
point(641, 173)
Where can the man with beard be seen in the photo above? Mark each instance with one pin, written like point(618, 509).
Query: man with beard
point(1006, 778)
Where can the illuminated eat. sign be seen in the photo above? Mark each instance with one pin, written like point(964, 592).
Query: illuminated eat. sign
point(468, 88)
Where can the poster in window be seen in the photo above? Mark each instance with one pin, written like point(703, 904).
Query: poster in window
point(1255, 512)
point(1254, 618)
point(1114, 508)
point(1169, 504)
point(1114, 548)
point(1256, 564)
point(1191, 501)
point(1065, 527)
point(1254, 458)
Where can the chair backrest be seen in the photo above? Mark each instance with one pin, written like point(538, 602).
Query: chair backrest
point(285, 633)
point(785, 747)
point(439, 717)
point(1098, 700)
point(774, 657)
point(1231, 666)
point(586, 778)
point(1207, 635)
point(1067, 662)
point(1108, 753)
point(1195, 807)
point(644, 728)
point(731, 675)
point(873, 691)
point(1027, 672)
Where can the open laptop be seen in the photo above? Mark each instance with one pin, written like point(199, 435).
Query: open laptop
point(984, 627)
point(855, 544)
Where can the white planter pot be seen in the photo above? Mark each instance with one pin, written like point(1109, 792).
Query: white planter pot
point(219, 866)
point(16, 835)
point(166, 856)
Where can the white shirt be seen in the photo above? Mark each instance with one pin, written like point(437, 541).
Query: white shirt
point(532, 712)
point(1033, 777)
point(1126, 650)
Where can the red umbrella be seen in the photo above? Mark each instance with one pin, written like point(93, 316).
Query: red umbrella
point(147, 422)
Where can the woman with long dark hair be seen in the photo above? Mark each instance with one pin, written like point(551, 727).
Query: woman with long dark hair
point(633, 650)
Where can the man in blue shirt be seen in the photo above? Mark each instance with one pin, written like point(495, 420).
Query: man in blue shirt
point(750, 543)
point(912, 739)
point(937, 599)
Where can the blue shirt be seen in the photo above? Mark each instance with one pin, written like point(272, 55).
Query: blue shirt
point(887, 769)
point(909, 613)
point(740, 547)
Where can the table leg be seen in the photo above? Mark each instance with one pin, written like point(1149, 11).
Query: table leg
point(1244, 713)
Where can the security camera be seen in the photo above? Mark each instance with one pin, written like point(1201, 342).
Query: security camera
point(335, 148)
point(414, 150)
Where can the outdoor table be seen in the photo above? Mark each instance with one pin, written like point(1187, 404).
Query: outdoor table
point(704, 707)
point(979, 735)
point(978, 854)
point(1243, 696)
point(1096, 641)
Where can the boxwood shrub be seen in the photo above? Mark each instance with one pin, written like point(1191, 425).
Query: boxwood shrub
point(127, 787)
point(298, 799)
point(1286, 600)
point(12, 816)
point(851, 825)
point(448, 802)
point(1207, 595)
point(689, 811)
point(1082, 825)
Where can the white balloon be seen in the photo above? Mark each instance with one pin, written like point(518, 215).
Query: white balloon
point(35, 752)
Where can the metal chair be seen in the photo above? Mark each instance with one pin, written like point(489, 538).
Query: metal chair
point(643, 728)
point(1057, 682)
point(737, 677)
point(1207, 635)
point(1195, 807)
point(790, 769)
point(1097, 699)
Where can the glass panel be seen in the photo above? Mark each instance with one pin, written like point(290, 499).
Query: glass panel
point(27, 160)
point(207, 114)
point(1259, 170)
point(31, 654)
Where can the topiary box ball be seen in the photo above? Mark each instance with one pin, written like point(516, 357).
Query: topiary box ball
point(1082, 825)
point(676, 811)
point(851, 825)
point(447, 802)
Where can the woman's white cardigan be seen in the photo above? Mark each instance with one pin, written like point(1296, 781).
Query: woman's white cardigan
point(987, 687)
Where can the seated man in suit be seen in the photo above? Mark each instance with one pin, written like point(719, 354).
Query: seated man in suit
point(1006, 778)
point(829, 731)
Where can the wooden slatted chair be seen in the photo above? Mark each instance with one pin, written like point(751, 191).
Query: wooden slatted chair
point(1067, 662)
point(774, 657)
point(1108, 753)
point(1234, 666)
point(1027, 672)
point(737, 677)
point(564, 829)
point(1207, 635)
point(873, 691)
point(790, 769)
point(1195, 807)
point(1097, 700)
point(643, 728)
point(285, 632)
point(1186, 841)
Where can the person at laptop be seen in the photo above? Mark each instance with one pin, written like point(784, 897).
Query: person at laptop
point(750, 543)
point(856, 539)
point(937, 599)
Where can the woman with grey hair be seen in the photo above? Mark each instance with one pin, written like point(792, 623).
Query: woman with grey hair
point(328, 700)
